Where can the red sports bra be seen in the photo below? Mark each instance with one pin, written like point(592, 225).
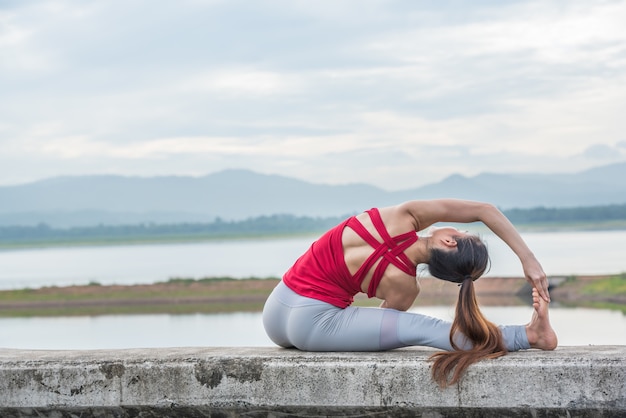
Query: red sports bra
point(321, 273)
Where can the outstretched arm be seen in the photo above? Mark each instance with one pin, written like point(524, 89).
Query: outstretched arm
point(428, 212)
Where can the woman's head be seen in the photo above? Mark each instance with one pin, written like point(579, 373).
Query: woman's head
point(455, 256)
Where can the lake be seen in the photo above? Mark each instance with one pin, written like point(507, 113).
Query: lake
point(562, 253)
point(574, 326)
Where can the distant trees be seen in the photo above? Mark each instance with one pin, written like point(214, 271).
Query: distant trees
point(577, 214)
point(267, 225)
point(261, 226)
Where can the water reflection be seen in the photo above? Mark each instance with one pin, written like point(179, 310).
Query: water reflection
point(575, 326)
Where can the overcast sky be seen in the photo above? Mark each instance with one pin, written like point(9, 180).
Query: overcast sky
point(396, 94)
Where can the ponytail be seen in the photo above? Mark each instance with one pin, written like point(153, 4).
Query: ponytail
point(484, 336)
point(464, 266)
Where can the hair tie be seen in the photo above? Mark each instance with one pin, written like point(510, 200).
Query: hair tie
point(466, 277)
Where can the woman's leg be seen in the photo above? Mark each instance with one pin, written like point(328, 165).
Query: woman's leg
point(312, 325)
point(374, 329)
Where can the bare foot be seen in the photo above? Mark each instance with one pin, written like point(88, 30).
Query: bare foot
point(539, 331)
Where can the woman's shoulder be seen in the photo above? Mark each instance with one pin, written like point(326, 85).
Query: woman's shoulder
point(401, 217)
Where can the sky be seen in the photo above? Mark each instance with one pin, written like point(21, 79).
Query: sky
point(395, 94)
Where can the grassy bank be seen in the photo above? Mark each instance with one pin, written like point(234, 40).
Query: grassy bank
point(594, 292)
point(224, 294)
point(177, 296)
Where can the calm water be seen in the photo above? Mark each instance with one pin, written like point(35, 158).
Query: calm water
point(564, 253)
point(134, 264)
point(574, 327)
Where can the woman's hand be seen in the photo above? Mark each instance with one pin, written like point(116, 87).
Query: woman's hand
point(536, 277)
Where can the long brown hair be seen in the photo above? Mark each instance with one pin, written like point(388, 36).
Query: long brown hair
point(470, 328)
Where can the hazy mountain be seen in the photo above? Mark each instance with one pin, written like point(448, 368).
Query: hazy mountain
point(597, 186)
point(239, 194)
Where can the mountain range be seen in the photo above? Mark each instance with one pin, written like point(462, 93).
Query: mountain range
point(240, 194)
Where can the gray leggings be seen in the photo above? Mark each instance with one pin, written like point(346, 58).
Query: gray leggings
point(292, 320)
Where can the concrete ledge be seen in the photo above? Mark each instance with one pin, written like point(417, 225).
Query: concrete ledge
point(200, 382)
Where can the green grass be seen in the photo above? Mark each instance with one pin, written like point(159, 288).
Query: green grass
point(615, 285)
point(173, 309)
point(597, 305)
point(601, 293)
point(222, 294)
point(174, 288)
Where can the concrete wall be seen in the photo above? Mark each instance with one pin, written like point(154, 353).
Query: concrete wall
point(255, 382)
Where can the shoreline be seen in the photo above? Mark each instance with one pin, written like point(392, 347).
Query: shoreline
point(223, 295)
point(109, 241)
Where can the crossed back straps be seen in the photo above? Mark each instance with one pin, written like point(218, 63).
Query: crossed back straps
point(390, 251)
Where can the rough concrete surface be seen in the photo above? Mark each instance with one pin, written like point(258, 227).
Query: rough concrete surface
point(223, 382)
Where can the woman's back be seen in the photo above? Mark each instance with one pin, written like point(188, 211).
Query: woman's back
point(381, 236)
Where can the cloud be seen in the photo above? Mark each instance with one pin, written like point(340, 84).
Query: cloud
point(604, 152)
point(242, 82)
point(391, 93)
point(19, 55)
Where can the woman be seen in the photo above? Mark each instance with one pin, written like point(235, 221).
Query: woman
point(376, 252)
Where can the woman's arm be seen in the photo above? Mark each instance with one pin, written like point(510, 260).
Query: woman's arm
point(428, 212)
point(398, 292)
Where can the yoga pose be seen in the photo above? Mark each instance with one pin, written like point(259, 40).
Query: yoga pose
point(376, 252)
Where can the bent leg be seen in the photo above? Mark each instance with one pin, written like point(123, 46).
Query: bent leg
point(312, 325)
point(364, 329)
point(336, 329)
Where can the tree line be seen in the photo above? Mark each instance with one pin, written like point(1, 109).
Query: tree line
point(272, 225)
point(576, 214)
point(260, 226)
